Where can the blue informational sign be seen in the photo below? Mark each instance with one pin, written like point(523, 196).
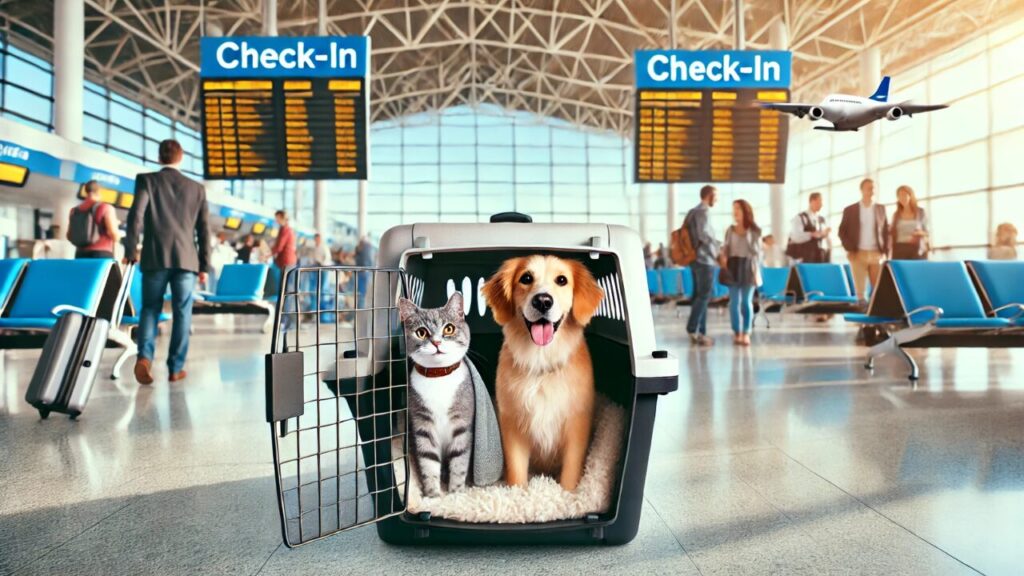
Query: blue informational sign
point(284, 57)
point(37, 162)
point(85, 173)
point(713, 69)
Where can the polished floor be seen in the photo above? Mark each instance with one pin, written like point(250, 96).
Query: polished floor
point(785, 458)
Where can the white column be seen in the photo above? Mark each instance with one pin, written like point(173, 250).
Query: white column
point(361, 217)
point(642, 210)
point(270, 17)
point(68, 67)
point(870, 76)
point(320, 186)
point(298, 191)
point(320, 207)
point(670, 213)
point(778, 38)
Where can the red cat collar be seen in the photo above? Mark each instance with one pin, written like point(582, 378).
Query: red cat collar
point(436, 372)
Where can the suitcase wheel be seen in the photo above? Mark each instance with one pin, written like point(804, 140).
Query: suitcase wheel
point(44, 414)
point(74, 415)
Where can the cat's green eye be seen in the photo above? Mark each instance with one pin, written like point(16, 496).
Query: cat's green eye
point(449, 329)
point(422, 333)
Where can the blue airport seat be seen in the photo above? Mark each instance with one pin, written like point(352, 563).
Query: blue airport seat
point(672, 282)
point(943, 285)
point(135, 295)
point(848, 270)
point(240, 290)
point(10, 273)
point(1001, 287)
point(653, 285)
point(825, 283)
point(47, 284)
point(933, 304)
point(239, 283)
point(773, 285)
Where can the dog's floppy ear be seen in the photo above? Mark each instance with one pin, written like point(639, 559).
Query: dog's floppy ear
point(498, 291)
point(586, 294)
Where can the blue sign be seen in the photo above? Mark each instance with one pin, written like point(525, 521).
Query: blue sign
point(85, 173)
point(713, 69)
point(37, 162)
point(284, 57)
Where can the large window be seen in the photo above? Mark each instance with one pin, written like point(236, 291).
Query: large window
point(26, 87)
point(133, 132)
point(963, 162)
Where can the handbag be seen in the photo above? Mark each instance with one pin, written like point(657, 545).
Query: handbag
point(725, 277)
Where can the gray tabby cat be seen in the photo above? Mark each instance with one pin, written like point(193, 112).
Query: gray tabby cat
point(441, 402)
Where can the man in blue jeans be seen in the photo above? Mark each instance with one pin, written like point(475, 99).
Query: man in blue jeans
point(169, 213)
point(702, 236)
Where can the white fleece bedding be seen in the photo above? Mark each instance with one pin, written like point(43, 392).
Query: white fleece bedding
point(543, 500)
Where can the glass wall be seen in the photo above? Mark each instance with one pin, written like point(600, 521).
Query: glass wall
point(133, 132)
point(963, 162)
point(26, 87)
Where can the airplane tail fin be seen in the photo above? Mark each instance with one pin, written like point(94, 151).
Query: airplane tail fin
point(882, 92)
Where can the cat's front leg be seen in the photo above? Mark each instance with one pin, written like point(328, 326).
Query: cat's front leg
point(459, 456)
point(428, 462)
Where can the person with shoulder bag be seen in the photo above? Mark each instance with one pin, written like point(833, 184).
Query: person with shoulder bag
point(808, 237)
point(909, 229)
point(741, 266)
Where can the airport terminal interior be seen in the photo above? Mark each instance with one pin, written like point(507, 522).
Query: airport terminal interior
point(511, 287)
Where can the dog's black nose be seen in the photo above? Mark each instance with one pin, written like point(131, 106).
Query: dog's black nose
point(543, 302)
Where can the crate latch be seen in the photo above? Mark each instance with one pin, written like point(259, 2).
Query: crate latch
point(283, 372)
point(422, 242)
point(596, 242)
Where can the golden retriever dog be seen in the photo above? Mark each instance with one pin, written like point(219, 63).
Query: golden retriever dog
point(545, 380)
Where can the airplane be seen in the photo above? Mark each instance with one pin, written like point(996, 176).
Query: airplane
point(849, 113)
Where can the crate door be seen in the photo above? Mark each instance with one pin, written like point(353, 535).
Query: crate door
point(336, 400)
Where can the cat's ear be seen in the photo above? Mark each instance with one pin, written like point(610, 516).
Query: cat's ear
point(498, 291)
point(406, 308)
point(586, 294)
point(454, 305)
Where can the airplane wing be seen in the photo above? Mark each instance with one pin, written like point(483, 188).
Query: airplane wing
point(910, 108)
point(798, 110)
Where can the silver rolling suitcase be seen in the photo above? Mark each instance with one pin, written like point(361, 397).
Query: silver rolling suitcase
point(68, 365)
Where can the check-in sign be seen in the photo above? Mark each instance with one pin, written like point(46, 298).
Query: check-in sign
point(284, 56)
point(713, 69)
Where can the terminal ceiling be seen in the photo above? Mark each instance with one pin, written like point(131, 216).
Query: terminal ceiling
point(567, 59)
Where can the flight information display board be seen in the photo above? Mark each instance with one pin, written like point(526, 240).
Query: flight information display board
point(289, 108)
point(698, 116)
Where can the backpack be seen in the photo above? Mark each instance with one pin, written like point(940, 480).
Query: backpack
point(82, 227)
point(681, 248)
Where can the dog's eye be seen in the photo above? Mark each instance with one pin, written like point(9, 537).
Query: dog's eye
point(449, 329)
point(526, 278)
point(422, 333)
point(561, 280)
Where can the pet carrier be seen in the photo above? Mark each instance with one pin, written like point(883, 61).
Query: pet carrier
point(337, 373)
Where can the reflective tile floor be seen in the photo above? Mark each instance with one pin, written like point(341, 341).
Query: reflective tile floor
point(786, 458)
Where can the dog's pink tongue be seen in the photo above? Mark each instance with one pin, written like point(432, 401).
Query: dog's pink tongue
point(542, 333)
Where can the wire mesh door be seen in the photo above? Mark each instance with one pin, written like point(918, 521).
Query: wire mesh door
point(336, 400)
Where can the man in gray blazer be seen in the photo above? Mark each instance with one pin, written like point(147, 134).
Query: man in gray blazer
point(170, 213)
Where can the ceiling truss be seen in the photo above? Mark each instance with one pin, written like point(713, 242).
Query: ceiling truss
point(567, 59)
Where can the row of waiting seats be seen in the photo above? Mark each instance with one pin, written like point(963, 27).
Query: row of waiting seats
point(33, 295)
point(925, 304)
point(803, 288)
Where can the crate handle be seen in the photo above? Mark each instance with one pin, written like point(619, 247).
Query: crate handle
point(519, 217)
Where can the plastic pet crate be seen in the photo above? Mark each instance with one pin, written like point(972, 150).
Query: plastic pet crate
point(337, 377)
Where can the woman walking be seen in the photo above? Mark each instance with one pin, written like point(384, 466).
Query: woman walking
point(909, 228)
point(741, 259)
